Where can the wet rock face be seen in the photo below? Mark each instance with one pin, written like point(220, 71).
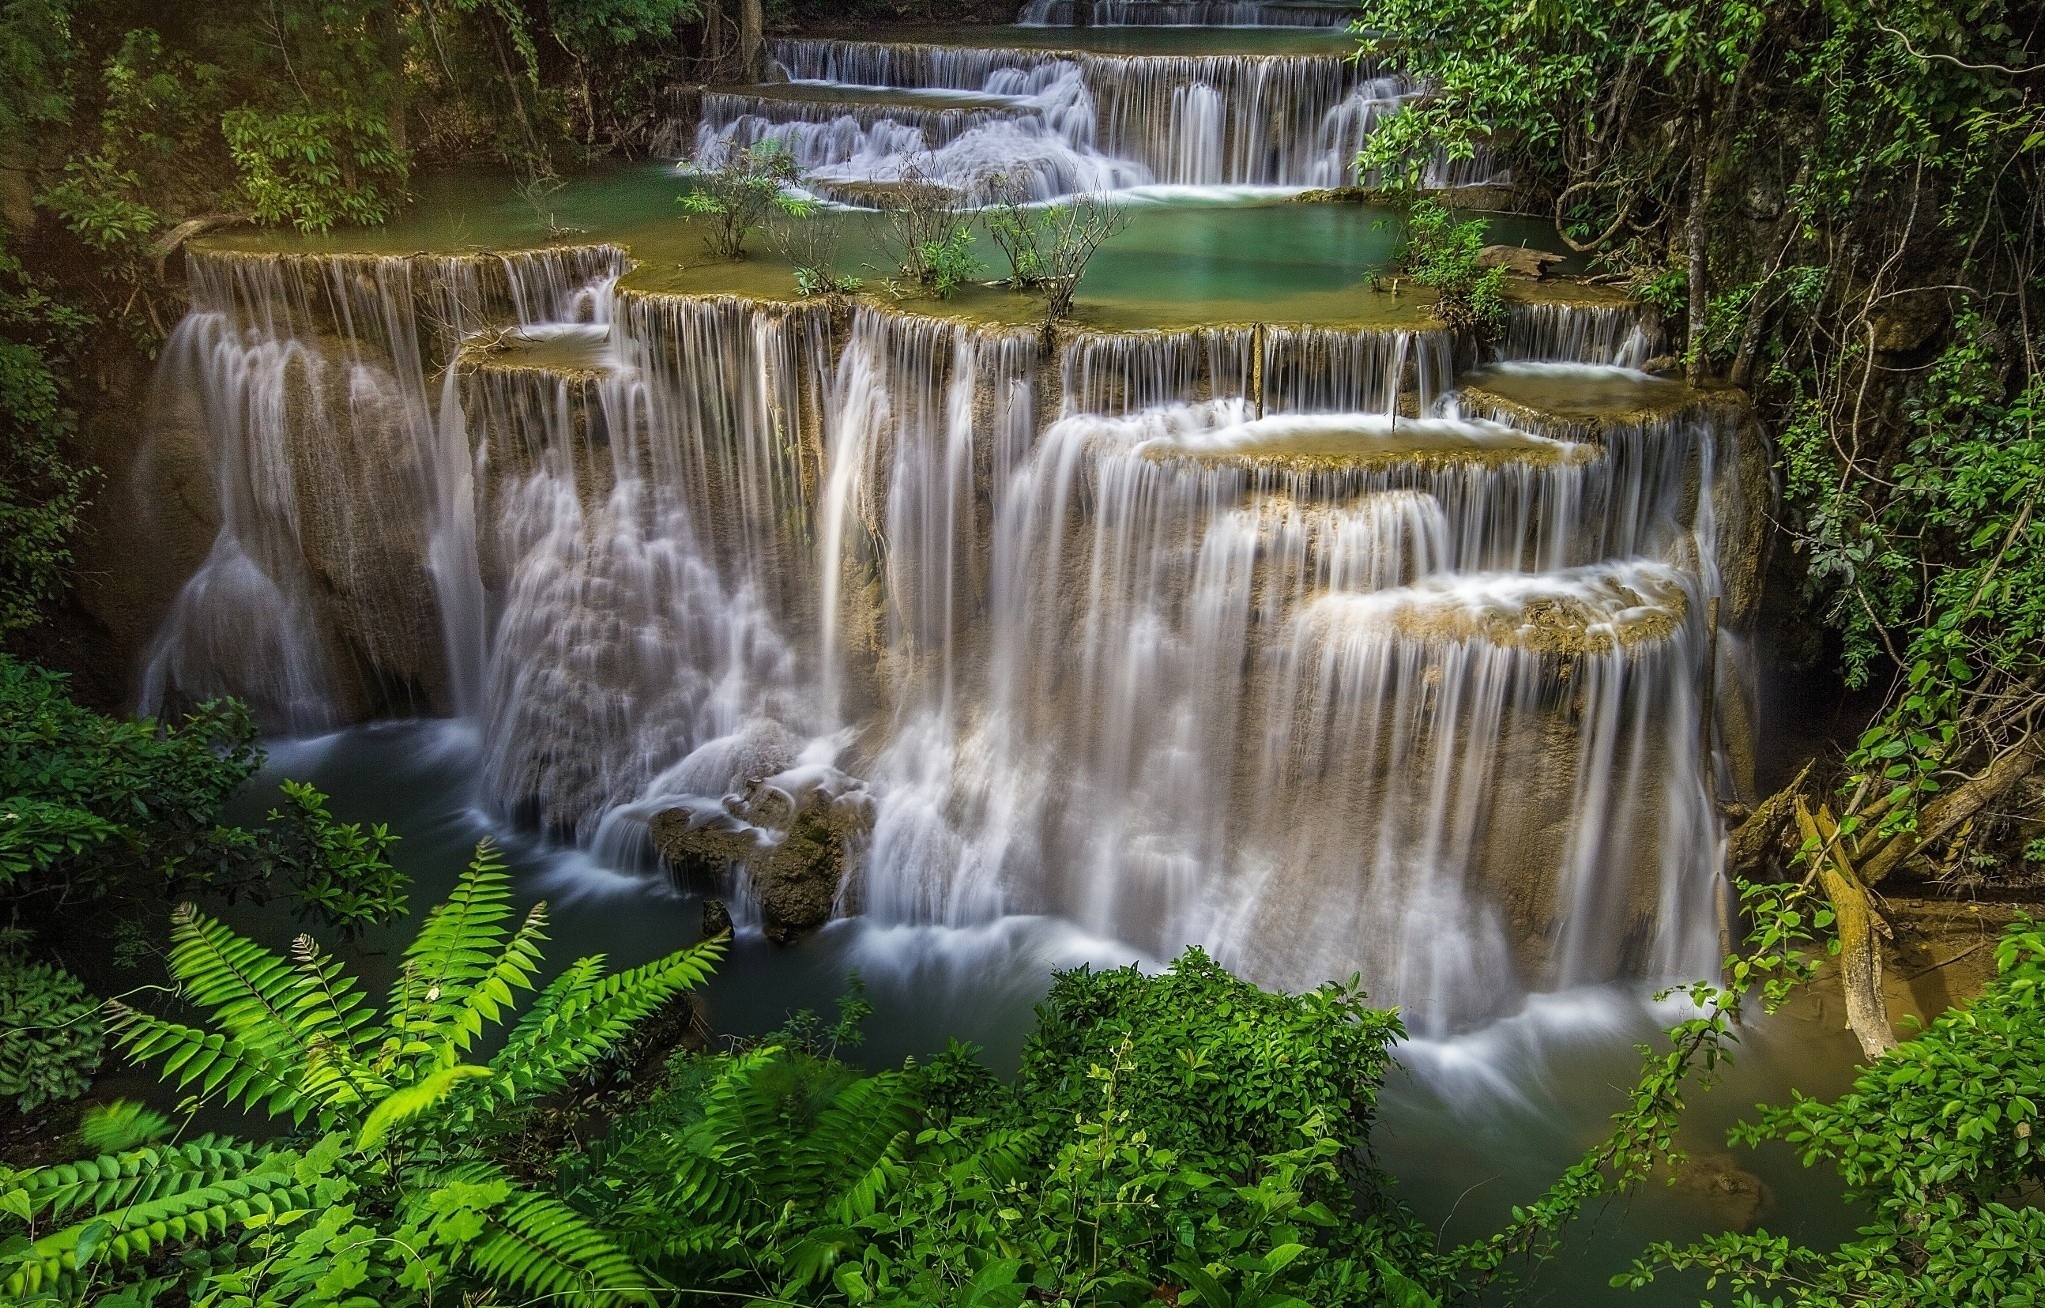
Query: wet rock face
point(791, 841)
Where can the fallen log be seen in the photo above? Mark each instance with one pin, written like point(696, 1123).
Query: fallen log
point(1944, 814)
point(1860, 952)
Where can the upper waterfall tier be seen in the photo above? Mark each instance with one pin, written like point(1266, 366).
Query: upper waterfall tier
point(1061, 120)
point(1188, 13)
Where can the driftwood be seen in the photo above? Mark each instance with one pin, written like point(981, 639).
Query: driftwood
point(1860, 952)
point(1946, 813)
point(1752, 838)
point(173, 240)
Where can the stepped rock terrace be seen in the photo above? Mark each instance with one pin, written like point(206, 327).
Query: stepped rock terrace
point(1250, 608)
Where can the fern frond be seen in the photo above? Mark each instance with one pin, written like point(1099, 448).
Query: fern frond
point(582, 1014)
point(456, 946)
point(134, 1231)
point(855, 1132)
point(238, 1072)
point(407, 1102)
point(491, 994)
point(335, 1071)
point(862, 1197)
point(332, 1003)
point(129, 1177)
point(253, 994)
point(537, 1247)
point(741, 1128)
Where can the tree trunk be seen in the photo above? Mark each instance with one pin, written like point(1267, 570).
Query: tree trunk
point(752, 41)
point(1696, 241)
point(1949, 810)
point(1860, 952)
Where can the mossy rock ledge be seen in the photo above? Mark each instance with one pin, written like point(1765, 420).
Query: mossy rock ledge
point(794, 848)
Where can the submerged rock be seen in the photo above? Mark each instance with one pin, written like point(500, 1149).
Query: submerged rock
point(1518, 259)
point(790, 834)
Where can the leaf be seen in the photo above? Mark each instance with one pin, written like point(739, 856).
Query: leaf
point(407, 1102)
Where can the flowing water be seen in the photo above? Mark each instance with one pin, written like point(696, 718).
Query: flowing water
point(1251, 611)
point(1051, 121)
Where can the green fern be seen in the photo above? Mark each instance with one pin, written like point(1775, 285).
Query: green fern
point(399, 1188)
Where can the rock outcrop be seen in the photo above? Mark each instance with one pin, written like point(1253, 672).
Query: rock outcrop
point(790, 835)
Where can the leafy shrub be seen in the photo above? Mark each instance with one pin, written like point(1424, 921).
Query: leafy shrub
point(1184, 1133)
point(41, 489)
point(51, 1037)
point(741, 193)
point(1050, 246)
point(78, 780)
point(313, 168)
point(339, 872)
point(385, 1187)
point(947, 263)
point(926, 233)
point(1441, 253)
point(811, 247)
point(98, 806)
point(1938, 1144)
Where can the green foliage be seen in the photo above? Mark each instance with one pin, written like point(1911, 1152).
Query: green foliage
point(741, 193)
point(1950, 553)
point(1936, 1142)
point(315, 167)
point(51, 1038)
point(586, 25)
point(1184, 1130)
point(385, 1188)
point(340, 873)
point(947, 262)
point(90, 798)
point(97, 806)
point(1440, 253)
point(41, 488)
point(117, 1127)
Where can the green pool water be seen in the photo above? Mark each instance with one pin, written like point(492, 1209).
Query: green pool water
point(1188, 255)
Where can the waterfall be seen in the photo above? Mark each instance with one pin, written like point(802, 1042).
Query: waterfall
point(1183, 13)
point(1615, 334)
point(334, 471)
point(1280, 639)
point(1063, 122)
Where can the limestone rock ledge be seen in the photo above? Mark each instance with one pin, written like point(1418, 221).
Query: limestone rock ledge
point(790, 836)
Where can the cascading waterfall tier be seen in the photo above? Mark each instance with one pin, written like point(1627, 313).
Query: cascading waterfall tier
point(1276, 638)
point(856, 114)
point(1185, 13)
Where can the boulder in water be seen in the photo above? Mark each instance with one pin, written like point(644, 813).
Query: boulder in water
point(1518, 259)
point(790, 835)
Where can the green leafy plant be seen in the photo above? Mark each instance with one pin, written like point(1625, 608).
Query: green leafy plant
point(51, 1036)
point(1185, 1130)
point(926, 234)
point(313, 168)
point(741, 192)
point(1441, 253)
point(1936, 1143)
point(385, 1186)
point(810, 244)
point(42, 487)
point(340, 873)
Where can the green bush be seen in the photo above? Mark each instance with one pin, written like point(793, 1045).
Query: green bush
point(313, 168)
point(741, 193)
point(1441, 253)
point(1937, 1144)
point(387, 1184)
point(51, 1037)
point(1185, 1130)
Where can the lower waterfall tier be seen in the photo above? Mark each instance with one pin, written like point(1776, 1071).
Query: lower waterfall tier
point(1187, 637)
